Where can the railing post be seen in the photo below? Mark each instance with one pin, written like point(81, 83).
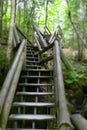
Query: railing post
point(62, 110)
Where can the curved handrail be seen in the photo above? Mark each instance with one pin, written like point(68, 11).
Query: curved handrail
point(10, 75)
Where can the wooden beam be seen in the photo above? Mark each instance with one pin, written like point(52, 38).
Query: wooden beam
point(23, 34)
point(40, 37)
point(37, 42)
point(62, 110)
point(54, 35)
point(79, 121)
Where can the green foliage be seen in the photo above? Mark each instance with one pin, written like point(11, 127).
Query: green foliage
point(75, 80)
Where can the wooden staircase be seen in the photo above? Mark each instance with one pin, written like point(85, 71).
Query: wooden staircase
point(33, 105)
point(34, 98)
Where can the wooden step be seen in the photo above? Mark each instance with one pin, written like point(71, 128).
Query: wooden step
point(34, 84)
point(27, 129)
point(40, 70)
point(35, 93)
point(33, 66)
point(31, 54)
point(37, 117)
point(33, 104)
point(30, 57)
point(30, 50)
point(35, 62)
point(36, 77)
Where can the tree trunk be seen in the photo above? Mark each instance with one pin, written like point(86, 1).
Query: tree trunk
point(46, 15)
point(0, 18)
point(10, 38)
point(80, 50)
point(2, 13)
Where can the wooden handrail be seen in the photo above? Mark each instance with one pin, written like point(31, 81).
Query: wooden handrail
point(62, 111)
point(23, 34)
point(11, 93)
point(40, 36)
point(37, 42)
point(79, 122)
point(10, 75)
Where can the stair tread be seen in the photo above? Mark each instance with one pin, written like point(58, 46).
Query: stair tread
point(30, 50)
point(26, 76)
point(32, 104)
point(34, 65)
point(31, 117)
point(33, 84)
point(43, 70)
point(27, 129)
point(35, 93)
point(32, 61)
point(31, 54)
point(30, 57)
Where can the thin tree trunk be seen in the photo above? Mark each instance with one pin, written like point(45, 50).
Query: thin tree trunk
point(46, 17)
point(0, 18)
point(10, 38)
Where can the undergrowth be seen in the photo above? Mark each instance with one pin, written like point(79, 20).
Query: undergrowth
point(75, 79)
point(3, 66)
